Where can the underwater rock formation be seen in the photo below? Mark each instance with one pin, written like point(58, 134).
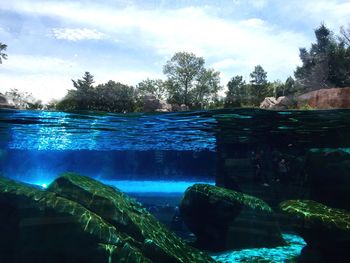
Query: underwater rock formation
point(40, 226)
point(326, 230)
point(224, 219)
point(328, 177)
point(123, 212)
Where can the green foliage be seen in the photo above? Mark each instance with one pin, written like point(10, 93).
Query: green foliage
point(111, 96)
point(114, 97)
point(237, 92)
point(326, 63)
point(345, 35)
point(3, 55)
point(258, 76)
point(189, 82)
point(206, 89)
point(240, 94)
point(259, 88)
point(23, 100)
point(154, 87)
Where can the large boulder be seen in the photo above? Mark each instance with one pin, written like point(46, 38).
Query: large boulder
point(326, 230)
point(334, 98)
point(152, 104)
point(328, 177)
point(40, 226)
point(224, 219)
point(281, 103)
point(123, 212)
point(268, 103)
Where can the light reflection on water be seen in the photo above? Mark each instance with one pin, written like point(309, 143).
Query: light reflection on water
point(141, 187)
point(277, 254)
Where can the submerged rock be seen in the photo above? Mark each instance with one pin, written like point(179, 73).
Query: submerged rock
point(40, 226)
point(123, 212)
point(224, 219)
point(326, 230)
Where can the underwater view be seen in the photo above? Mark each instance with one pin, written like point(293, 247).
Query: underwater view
point(239, 185)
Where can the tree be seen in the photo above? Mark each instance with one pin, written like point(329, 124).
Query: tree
point(3, 55)
point(259, 87)
point(154, 87)
point(314, 72)
point(258, 76)
point(189, 82)
point(345, 35)
point(183, 69)
point(114, 97)
point(236, 93)
point(23, 100)
point(80, 98)
point(111, 96)
point(287, 88)
point(206, 88)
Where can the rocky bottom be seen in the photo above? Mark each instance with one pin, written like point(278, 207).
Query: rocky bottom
point(278, 254)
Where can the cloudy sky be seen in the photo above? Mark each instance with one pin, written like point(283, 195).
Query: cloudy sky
point(52, 42)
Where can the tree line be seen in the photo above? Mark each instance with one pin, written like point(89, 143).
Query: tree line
point(189, 82)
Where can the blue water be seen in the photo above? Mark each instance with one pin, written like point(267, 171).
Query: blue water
point(155, 157)
point(278, 255)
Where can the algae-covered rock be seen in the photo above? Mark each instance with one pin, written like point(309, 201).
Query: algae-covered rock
point(315, 214)
point(40, 226)
point(123, 212)
point(225, 219)
point(326, 230)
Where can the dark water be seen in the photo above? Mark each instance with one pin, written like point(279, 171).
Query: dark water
point(155, 157)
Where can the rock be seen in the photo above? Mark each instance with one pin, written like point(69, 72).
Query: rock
point(326, 230)
point(164, 106)
point(334, 98)
point(268, 103)
point(4, 103)
point(281, 103)
point(152, 104)
point(328, 177)
point(123, 212)
point(224, 219)
point(177, 107)
point(44, 227)
point(284, 103)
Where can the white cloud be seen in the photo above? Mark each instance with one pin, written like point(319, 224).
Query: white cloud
point(233, 45)
point(50, 77)
point(225, 63)
point(41, 64)
point(77, 34)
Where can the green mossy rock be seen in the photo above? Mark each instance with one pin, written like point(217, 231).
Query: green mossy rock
point(317, 215)
point(326, 230)
point(225, 219)
point(127, 215)
point(40, 226)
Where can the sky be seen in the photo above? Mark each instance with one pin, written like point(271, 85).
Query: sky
point(52, 42)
